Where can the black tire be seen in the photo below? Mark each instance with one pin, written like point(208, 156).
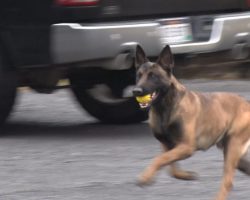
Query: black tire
point(8, 84)
point(124, 110)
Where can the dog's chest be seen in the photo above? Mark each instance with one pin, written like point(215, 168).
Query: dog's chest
point(167, 133)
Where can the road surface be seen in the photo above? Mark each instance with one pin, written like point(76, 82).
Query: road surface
point(51, 150)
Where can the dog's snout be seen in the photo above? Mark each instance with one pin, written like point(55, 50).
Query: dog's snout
point(137, 91)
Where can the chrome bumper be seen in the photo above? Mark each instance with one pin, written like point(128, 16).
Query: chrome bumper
point(73, 42)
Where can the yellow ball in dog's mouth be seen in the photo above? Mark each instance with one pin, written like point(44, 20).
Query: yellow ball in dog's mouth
point(144, 99)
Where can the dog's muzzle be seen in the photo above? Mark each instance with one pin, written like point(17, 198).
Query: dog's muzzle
point(137, 91)
point(144, 100)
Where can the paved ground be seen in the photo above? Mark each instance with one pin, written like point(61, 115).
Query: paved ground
point(51, 150)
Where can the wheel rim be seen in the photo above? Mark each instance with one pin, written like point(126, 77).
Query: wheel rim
point(104, 93)
point(108, 97)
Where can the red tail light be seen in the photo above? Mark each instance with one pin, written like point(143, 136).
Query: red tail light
point(248, 3)
point(77, 2)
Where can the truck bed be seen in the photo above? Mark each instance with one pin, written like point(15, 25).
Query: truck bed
point(111, 10)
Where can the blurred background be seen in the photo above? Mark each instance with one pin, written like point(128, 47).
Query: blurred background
point(71, 128)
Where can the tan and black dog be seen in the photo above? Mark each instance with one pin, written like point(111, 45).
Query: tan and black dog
point(185, 121)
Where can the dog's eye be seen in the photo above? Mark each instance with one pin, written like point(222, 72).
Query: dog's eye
point(151, 75)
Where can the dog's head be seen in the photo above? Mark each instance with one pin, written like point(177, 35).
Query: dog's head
point(153, 80)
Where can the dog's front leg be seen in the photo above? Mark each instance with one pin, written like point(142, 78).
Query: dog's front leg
point(178, 173)
point(180, 152)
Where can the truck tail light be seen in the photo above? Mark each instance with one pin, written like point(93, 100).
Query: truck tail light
point(77, 2)
point(248, 3)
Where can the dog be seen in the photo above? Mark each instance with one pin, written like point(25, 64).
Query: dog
point(186, 121)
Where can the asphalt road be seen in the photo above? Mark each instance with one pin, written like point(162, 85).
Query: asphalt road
point(51, 150)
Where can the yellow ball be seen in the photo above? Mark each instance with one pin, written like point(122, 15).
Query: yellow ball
point(144, 99)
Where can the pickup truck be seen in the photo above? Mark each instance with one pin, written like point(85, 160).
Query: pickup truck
point(91, 43)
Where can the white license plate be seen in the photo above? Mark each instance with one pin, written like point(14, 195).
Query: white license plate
point(175, 31)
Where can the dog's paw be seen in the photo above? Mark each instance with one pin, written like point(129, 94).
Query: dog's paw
point(144, 181)
point(186, 175)
point(191, 176)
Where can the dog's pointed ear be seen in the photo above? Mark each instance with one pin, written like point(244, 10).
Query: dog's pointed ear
point(140, 56)
point(166, 59)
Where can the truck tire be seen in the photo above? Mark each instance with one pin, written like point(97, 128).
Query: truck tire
point(106, 107)
point(8, 84)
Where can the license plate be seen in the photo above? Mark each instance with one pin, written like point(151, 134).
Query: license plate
point(175, 31)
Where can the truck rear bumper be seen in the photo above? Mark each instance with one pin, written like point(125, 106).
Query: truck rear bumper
point(73, 42)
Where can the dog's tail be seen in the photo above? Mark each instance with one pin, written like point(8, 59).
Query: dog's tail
point(244, 165)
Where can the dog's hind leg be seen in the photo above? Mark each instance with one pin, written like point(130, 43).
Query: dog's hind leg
point(244, 164)
point(178, 173)
point(232, 156)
